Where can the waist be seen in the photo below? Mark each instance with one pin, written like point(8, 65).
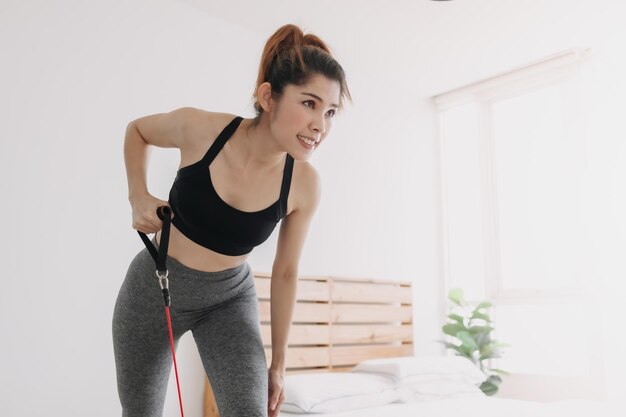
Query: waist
point(195, 256)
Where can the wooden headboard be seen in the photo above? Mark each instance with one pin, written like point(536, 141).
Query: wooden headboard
point(337, 323)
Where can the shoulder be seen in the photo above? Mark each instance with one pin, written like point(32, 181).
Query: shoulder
point(308, 186)
point(202, 127)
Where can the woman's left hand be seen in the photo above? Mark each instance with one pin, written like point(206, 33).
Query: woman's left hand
point(276, 394)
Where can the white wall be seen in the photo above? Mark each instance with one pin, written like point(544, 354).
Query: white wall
point(75, 73)
point(604, 191)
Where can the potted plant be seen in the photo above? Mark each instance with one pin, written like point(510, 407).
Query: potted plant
point(470, 330)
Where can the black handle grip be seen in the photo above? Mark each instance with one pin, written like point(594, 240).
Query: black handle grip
point(163, 211)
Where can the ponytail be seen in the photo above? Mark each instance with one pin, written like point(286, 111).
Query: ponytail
point(291, 57)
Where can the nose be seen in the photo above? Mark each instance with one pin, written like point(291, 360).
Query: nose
point(319, 125)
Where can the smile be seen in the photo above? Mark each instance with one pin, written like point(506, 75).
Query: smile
point(309, 142)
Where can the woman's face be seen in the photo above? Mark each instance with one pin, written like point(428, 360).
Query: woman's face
point(308, 111)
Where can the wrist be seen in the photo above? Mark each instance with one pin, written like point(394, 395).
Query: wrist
point(278, 366)
point(138, 194)
point(278, 358)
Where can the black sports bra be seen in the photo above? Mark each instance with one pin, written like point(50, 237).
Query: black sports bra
point(202, 216)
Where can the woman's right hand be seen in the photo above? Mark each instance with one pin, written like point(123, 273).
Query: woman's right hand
point(145, 217)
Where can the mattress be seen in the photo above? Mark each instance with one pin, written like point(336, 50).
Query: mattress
point(485, 407)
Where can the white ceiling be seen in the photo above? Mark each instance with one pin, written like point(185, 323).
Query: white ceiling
point(429, 47)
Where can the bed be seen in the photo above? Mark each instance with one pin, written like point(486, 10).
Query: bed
point(350, 353)
point(485, 407)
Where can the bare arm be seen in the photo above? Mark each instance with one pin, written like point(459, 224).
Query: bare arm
point(165, 130)
point(283, 287)
point(293, 231)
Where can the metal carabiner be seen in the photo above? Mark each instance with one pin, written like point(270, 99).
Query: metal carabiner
point(163, 281)
point(165, 287)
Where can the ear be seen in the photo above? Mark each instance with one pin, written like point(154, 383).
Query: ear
point(264, 96)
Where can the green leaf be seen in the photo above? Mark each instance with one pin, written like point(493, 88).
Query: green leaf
point(489, 351)
point(478, 329)
point(484, 304)
point(488, 348)
point(490, 385)
point(479, 315)
point(468, 340)
point(456, 317)
point(494, 379)
point(496, 355)
point(453, 328)
point(456, 296)
point(448, 344)
point(464, 353)
point(483, 339)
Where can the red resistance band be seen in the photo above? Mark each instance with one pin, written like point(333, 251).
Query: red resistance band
point(160, 257)
point(169, 327)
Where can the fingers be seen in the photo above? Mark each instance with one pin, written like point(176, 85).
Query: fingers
point(280, 401)
point(152, 227)
point(275, 403)
point(149, 213)
point(276, 393)
point(152, 222)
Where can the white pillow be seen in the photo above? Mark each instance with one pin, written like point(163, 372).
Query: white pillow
point(454, 367)
point(327, 392)
point(412, 390)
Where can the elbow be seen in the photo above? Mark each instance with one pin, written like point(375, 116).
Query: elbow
point(132, 129)
point(288, 274)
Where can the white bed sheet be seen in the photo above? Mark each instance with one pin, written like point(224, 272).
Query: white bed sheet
point(485, 407)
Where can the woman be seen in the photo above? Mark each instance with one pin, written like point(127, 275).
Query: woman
point(238, 178)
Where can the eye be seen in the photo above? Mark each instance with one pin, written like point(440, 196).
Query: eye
point(331, 112)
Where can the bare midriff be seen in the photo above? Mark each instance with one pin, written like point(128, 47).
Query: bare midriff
point(195, 256)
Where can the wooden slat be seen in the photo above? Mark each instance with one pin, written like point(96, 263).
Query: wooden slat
point(300, 334)
point(370, 292)
point(306, 290)
point(370, 333)
point(312, 290)
point(371, 313)
point(342, 368)
point(300, 357)
point(369, 280)
point(302, 312)
point(296, 371)
point(351, 355)
point(300, 277)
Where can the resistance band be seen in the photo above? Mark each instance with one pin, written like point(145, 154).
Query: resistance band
point(160, 258)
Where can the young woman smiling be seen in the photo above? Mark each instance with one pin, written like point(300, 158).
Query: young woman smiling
point(237, 179)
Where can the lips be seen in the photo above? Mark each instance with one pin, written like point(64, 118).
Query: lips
point(313, 141)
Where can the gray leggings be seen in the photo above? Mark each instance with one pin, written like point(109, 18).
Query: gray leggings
point(221, 310)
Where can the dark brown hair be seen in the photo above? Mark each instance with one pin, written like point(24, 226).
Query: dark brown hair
point(291, 57)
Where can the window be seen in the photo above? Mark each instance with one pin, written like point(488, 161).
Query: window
point(512, 163)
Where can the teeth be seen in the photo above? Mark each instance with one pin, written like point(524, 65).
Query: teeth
point(306, 140)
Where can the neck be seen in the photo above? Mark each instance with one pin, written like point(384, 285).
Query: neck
point(257, 148)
